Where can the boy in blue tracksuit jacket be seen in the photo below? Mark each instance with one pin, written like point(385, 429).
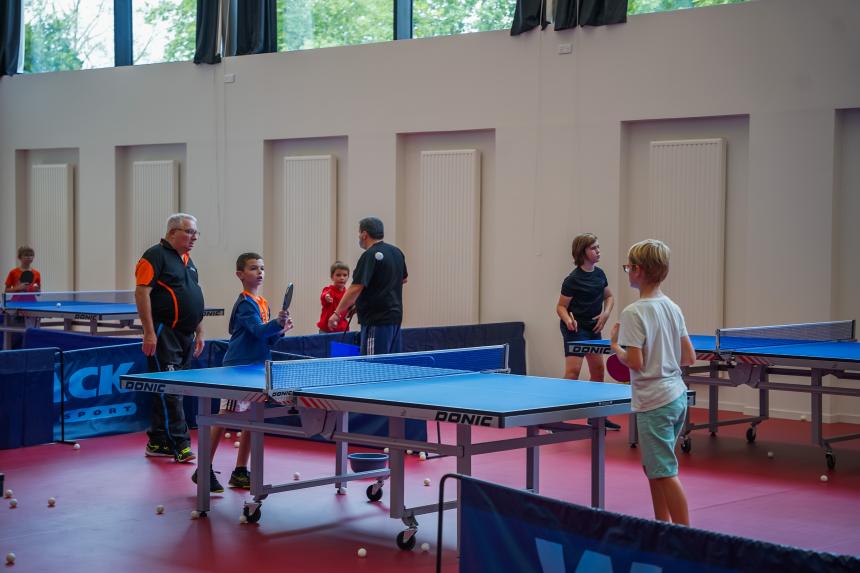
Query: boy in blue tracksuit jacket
point(252, 336)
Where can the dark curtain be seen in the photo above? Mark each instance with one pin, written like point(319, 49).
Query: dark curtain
point(10, 36)
point(602, 12)
point(565, 14)
point(208, 34)
point(527, 15)
point(256, 27)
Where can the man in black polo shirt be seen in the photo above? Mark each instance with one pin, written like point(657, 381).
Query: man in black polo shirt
point(376, 291)
point(170, 304)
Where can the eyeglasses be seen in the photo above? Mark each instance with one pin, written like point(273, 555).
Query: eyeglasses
point(627, 268)
point(189, 232)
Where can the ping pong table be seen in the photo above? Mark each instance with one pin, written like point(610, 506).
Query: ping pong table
point(94, 310)
point(751, 355)
point(467, 387)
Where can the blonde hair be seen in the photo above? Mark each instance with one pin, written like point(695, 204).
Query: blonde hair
point(652, 256)
point(580, 245)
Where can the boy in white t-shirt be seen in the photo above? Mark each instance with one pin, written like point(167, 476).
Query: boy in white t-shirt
point(652, 340)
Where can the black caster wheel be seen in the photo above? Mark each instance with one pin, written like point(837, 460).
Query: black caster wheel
point(686, 445)
point(751, 434)
point(202, 514)
point(633, 445)
point(713, 434)
point(252, 517)
point(373, 496)
point(830, 459)
point(403, 543)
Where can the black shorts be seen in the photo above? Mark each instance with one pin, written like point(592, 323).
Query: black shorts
point(581, 334)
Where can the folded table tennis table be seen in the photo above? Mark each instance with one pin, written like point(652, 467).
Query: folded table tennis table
point(467, 387)
point(751, 355)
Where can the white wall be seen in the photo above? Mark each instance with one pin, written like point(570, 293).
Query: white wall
point(558, 121)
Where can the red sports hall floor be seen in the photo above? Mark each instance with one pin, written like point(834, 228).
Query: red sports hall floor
point(107, 492)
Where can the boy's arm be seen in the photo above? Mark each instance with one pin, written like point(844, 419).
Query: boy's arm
point(348, 300)
point(688, 353)
point(248, 317)
point(564, 314)
point(631, 356)
point(608, 304)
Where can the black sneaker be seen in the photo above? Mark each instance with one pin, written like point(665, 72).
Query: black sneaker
point(185, 455)
point(214, 485)
point(610, 425)
point(240, 478)
point(158, 450)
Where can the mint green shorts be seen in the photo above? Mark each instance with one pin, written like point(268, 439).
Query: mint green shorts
point(659, 430)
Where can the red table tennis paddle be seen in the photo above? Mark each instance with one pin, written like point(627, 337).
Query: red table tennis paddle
point(616, 369)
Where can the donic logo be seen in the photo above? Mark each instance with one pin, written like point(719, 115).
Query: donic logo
point(551, 557)
point(460, 418)
point(588, 348)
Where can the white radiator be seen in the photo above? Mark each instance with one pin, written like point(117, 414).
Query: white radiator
point(51, 225)
point(444, 261)
point(307, 223)
point(154, 197)
point(687, 200)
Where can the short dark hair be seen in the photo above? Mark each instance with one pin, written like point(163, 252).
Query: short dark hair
point(244, 258)
point(338, 266)
point(374, 227)
point(24, 250)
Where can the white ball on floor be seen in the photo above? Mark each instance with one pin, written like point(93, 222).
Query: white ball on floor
point(803, 418)
point(13, 502)
point(228, 435)
point(362, 552)
point(422, 456)
point(408, 452)
point(195, 514)
point(52, 502)
point(824, 477)
point(425, 547)
point(10, 558)
point(427, 481)
point(159, 509)
point(7, 494)
point(243, 519)
point(770, 454)
point(386, 450)
point(235, 444)
point(77, 446)
point(297, 476)
point(238, 434)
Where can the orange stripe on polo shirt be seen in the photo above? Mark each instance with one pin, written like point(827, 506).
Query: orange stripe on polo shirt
point(175, 304)
point(185, 259)
point(262, 304)
point(143, 273)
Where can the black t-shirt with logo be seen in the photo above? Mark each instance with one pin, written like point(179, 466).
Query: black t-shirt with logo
point(176, 296)
point(381, 269)
point(586, 292)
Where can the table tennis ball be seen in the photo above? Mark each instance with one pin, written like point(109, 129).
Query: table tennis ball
point(227, 435)
point(159, 509)
point(770, 454)
point(803, 418)
point(7, 494)
point(58, 304)
point(243, 519)
point(362, 552)
point(235, 444)
point(408, 452)
point(823, 477)
point(425, 547)
point(10, 558)
point(422, 456)
point(195, 514)
point(386, 450)
point(378, 256)
point(297, 476)
point(13, 503)
point(77, 446)
point(427, 481)
point(52, 502)
point(238, 434)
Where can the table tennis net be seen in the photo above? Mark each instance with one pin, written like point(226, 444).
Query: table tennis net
point(294, 374)
point(100, 296)
point(784, 335)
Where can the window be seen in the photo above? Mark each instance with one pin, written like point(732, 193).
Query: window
point(448, 17)
point(304, 24)
point(645, 6)
point(68, 35)
point(164, 30)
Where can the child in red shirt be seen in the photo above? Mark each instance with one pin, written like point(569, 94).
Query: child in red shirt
point(331, 295)
point(24, 278)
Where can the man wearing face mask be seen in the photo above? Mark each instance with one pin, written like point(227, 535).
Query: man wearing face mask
point(376, 291)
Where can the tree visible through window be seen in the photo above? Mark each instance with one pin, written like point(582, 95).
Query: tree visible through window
point(304, 24)
point(644, 6)
point(164, 30)
point(64, 35)
point(449, 17)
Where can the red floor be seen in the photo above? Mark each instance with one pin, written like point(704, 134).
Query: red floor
point(107, 492)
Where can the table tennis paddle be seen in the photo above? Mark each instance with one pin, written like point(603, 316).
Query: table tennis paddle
point(288, 297)
point(27, 277)
point(616, 369)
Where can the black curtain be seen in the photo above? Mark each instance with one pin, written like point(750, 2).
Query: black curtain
point(527, 15)
point(602, 12)
point(565, 14)
point(256, 27)
point(207, 35)
point(10, 36)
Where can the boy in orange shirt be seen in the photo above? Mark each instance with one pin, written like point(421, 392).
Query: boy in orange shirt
point(24, 278)
point(330, 298)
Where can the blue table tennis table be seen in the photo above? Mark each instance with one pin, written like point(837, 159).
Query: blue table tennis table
point(467, 387)
point(750, 356)
point(92, 310)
